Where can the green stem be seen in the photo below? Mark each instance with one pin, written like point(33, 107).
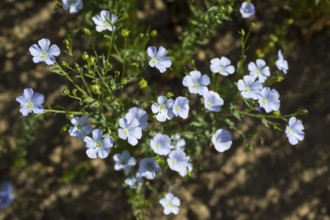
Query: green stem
point(61, 112)
point(268, 116)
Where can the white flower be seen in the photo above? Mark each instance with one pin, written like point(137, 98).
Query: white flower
point(212, 101)
point(163, 108)
point(247, 9)
point(148, 168)
point(222, 140)
point(170, 204)
point(281, 63)
point(249, 87)
point(159, 58)
point(139, 114)
point(222, 66)
point(98, 147)
point(295, 131)
point(130, 131)
point(124, 161)
point(196, 82)
point(73, 6)
point(179, 162)
point(269, 99)
point(161, 144)
point(44, 52)
point(105, 21)
point(181, 107)
point(80, 128)
point(259, 70)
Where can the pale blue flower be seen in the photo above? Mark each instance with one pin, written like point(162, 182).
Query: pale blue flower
point(295, 131)
point(212, 101)
point(247, 9)
point(73, 6)
point(148, 168)
point(105, 21)
point(31, 102)
point(179, 162)
point(181, 107)
point(130, 130)
point(222, 140)
point(124, 161)
point(44, 52)
point(222, 66)
point(139, 114)
point(178, 143)
point(196, 82)
point(269, 99)
point(249, 87)
point(98, 147)
point(6, 194)
point(80, 128)
point(163, 108)
point(259, 70)
point(161, 144)
point(170, 204)
point(159, 58)
point(281, 63)
point(134, 181)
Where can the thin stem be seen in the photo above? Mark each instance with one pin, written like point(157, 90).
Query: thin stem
point(61, 112)
point(268, 116)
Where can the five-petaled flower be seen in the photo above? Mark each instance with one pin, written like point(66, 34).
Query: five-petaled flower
point(170, 204)
point(124, 161)
point(148, 168)
point(163, 108)
point(130, 130)
point(6, 194)
point(44, 52)
point(181, 107)
point(269, 99)
point(222, 140)
point(247, 9)
point(159, 58)
point(105, 21)
point(139, 114)
point(73, 6)
point(295, 131)
point(196, 82)
point(98, 147)
point(80, 128)
point(222, 66)
point(161, 144)
point(281, 63)
point(249, 87)
point(259, 70)
point(212, 101)
point(178, 161)
point(31, 102)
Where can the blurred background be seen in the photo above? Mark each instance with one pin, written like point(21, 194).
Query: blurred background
point(53, 179)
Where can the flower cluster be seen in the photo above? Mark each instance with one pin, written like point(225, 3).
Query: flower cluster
point(251, 86)
point(161, 150)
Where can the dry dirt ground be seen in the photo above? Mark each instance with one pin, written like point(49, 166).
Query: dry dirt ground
point(275, 181)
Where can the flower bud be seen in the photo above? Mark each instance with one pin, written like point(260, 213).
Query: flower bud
point(65, 92)
point(96, 89)
point(143, 84)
